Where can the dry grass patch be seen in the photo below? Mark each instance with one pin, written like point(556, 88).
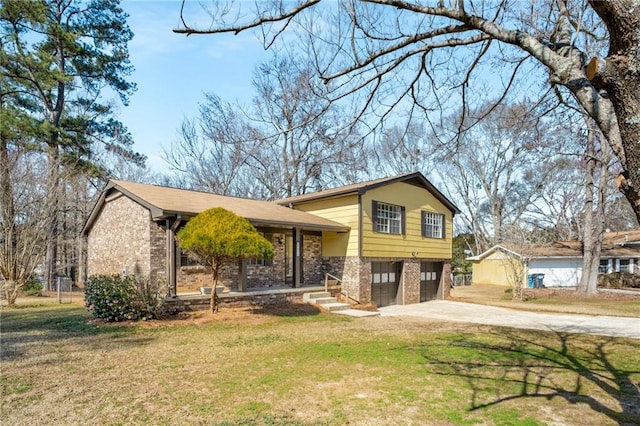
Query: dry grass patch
point(552, 300)
point(294, 365)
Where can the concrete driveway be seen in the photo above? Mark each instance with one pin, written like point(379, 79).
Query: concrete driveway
point(491, 315)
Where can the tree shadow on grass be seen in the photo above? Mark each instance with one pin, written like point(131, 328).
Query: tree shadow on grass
point(286, 309)
point(576, 368)
point(54, 324)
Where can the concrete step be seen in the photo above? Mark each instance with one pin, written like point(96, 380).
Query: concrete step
point(309, 297)
point(335, 306)
point(323, 300)
point(357, 313)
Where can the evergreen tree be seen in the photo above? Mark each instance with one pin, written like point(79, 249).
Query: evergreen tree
point(58, 58)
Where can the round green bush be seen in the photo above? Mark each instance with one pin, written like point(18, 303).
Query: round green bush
point(112, 297)
point(33, 287)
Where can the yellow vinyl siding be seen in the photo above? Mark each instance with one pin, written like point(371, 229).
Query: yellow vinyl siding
point(498, 268)
point(342, 210)
point(414, 199)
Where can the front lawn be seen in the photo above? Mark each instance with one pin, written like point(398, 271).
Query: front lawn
point(300, 366)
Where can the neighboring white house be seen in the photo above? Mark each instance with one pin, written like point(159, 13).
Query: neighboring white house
point(560, 262)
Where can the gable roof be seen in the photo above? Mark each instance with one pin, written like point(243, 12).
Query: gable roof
point(415, 178)
point(622, 244)
point(164, 202)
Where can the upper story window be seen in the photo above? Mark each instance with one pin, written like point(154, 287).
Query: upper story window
point(432, 225)
point(388, 218)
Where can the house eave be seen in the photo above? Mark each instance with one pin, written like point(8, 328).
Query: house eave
point(257, 222)
point(423, 182)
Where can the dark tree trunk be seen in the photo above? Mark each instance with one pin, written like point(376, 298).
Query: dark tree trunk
point(618, 74)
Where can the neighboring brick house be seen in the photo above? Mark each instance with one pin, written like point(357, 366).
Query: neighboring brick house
point(387, 240)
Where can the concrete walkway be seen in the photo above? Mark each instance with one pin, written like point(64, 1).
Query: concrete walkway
point(491, 315)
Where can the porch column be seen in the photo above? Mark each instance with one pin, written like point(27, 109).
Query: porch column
point(242, 275)
point(172, 286)
point(297, 258)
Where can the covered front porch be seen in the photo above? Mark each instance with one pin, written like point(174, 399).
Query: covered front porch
point(297, 263)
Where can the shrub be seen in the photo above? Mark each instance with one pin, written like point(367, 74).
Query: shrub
point(123, 297)
point(619, 280)
point(33, 287)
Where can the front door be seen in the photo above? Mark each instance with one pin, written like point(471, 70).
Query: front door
point(430, 273)
point(385, 277)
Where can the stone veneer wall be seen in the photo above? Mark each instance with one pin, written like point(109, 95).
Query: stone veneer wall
point(410, 281)
point(120, 239)
point(312, 270)
point(355, 276)
point(158, 250)
point(445, 282)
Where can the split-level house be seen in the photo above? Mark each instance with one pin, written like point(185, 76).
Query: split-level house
point(387, 241)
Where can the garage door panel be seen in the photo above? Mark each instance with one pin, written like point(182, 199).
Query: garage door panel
point(384, 283)
point(430, 274)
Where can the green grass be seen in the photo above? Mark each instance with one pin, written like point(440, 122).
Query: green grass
point(315, 369)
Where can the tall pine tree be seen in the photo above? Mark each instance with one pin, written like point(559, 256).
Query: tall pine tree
point(59, 58)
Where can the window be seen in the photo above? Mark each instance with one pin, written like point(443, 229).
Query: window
point(182, 259)
point(432, 225)
point(388, 218)
point(624, 266)
point(262, 262)
point(604, 266)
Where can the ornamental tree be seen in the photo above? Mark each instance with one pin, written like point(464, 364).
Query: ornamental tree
point(217, 237)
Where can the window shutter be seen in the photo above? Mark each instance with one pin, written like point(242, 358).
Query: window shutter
point(403, 221)
point(374, 214)
point(444, 231)
point(423, 228)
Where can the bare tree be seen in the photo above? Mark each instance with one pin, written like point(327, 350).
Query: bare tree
point(597, 161)
point(497, 169)
point(398, 52)
point(209, 153)
point(290, 140)
point(23, 221)
point(402, 149)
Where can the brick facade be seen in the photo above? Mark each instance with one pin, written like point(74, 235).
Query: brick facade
point(355, 274)
point(312, 270)
point(410, 281)
point(120, 239)
point(190, 278)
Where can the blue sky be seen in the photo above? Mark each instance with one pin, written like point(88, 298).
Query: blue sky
point(172, 71)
